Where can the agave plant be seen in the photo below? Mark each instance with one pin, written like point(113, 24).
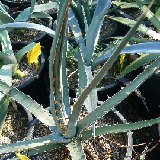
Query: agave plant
point(153, 18)
point(10, 59)
point(7, 56)
point(67, 129)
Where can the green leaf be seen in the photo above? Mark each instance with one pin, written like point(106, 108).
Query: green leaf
point(41, 15)
point(6, 77)
point(37, 142)
point(125, 5)
point(3, 111)
point(6, 18)
point(64, 6)
point(5, 42)
point(76, 150)
point(154, 20)
point(6, 74)
point(78, 105)
point(36, 109)
point(22, 16)
point(19, 55)
point(28, 25)
point(73, 23)
point(3, 7)
point(119, 128)
point(44, 148)
point(25, 15)
point(148, 1)
point(142, 28)
point(43, 115)
point(143, 59)
point(93, 32)
point(4, 88)
point(91, 100)
point(46, 7)
point(102, 56)
point(65, 93)
point(118, 97)
point(77, 9)
point(82, 77)
point(148, 47)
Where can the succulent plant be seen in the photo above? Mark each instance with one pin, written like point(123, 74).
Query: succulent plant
point(67, 129)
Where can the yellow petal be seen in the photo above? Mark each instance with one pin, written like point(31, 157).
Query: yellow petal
point(122, 57)
point(22, 157)
point(34, 54)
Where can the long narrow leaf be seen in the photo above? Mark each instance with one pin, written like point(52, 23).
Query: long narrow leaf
point(154, 20)
point(148, 47)
point(6, 77)
point(73, 23)
point(92, 34)
point(5, 42)
point(36, 109)
point(44, 148)
point(65, 93)
point(37, 142)
point(64, 8)
point(91, 100)
point(76, 150)
point(4, 88)
point(78, 105)
point(28, 103)
point(20, 54)
point(41, 149)
point(125, 5)
point(25, 15)
point(119, 128)
point(41, 15)
point(5, 18)
point(28, 25)
point(143, 59)
point(118, 97)
point(142, 28)
point(82, 77)
point(46, 6)
point(3, 111)
point(86, 10)
point(6, 74)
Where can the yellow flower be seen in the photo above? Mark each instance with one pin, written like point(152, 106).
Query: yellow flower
point(122, 57)
point(21, 156)
point(34, 54)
